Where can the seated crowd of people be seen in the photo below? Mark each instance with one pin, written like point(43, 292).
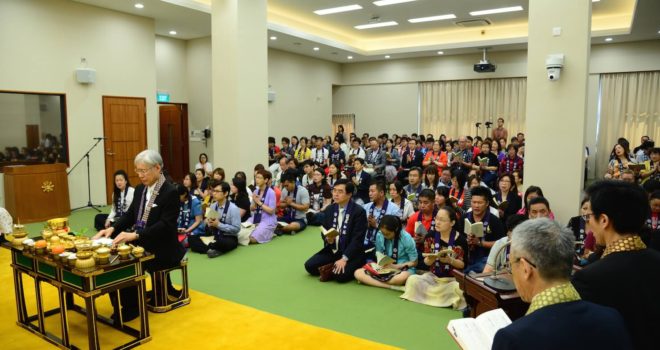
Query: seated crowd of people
point(411, 201)
point(50, 150)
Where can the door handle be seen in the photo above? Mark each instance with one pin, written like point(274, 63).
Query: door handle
point(109, 153)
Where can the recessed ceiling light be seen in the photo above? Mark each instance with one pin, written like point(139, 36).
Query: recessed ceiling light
point(608, 39)
point(441, 52)
point(273, 38)
point(387, 56)
point(338, 9)
point(350, 57)
point(390, 2)
point(595, 0)
point(658, 31)
point(139, 6)
point(432, 18)
point(172, 32)
point(316, 49)
point(376, 25)
point(499, 10)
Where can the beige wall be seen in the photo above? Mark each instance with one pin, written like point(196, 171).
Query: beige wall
point(12, 119)
point(304, 102)
point(171, 58)
point(198, 83)
point(43, 42)
point(379, 108)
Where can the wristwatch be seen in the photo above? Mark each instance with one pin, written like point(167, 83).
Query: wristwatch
point(344, 257)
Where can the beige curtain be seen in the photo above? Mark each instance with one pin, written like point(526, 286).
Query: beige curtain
point(630, 108)
point(454, 107)
point(345, 120)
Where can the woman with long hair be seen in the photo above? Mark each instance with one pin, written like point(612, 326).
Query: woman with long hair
point(303, 152)
point(398, 197)
point(393, 242)
point(122, 197)
point(334, 174)
point(238, 195)
point(190, 182)
point(507, 192)
point(620, 161)
point(190, 219)
point(431, 178)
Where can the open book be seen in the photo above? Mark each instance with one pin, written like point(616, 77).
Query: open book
point(412, 197)
point(476, 229)
point(207, 239)
point(330, 233)
point(501, 205)
point(211, 214)
point(483, 160)
point(441, 254)
point(247, 224)
point(636, 167)
point(478, 333)
point(384, 260)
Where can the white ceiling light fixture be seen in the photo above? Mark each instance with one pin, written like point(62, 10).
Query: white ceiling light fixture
point(173, 32)
point(139, 5)
point(387, 56)
point(608, 39)
point(338, 9)
point(432, 18)
point(376, 25)
point(273, 38)
point(595, 0)
point(316, 49)
point(350, 57)
point(494, 11)
point(390, 2)
point(441, 52)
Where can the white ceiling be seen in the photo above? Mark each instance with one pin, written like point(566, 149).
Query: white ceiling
point(337, 39)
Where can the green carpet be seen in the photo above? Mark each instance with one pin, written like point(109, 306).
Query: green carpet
point(272, 278)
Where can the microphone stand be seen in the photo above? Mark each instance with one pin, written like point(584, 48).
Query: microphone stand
point(499, 283)
point(488, 125)
point(478, 125)
point(89, 188)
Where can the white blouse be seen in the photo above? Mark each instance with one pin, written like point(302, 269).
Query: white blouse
point(123, 201)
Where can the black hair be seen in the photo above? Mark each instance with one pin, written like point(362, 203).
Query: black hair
point(224, 187)
point(460, 176)
point(530, 190)
point(116, 192)
point(626, 205)
point(359, 160)
point(379, 183)
point(203, 154)
point(392, 223)
point(417, 169)
point(286, 139)
point(399, 188)
point(271, 139)
point(483, 192)
point(427, 193)
point(538, 200)
point(350, 187)
point(193, 180)
point(289, 176)
point(654, 195)
point(514, 220)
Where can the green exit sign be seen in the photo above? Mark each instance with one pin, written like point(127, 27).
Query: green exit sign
point(163, 97)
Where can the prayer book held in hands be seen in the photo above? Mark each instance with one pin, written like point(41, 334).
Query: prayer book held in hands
point(441, 254)
point(476, 229)
point(211, 214)
point(330, 233)
point(420, 230)
point(384, 260)
point(478, 333)
point(501, 205)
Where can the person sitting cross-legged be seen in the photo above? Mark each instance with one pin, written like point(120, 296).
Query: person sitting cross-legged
point(343, 254)
point(391, 241)
point(294, 202)
point(224, 228)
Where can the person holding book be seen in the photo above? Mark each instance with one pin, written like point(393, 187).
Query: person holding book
point(422, 221)
point(320, 197)
point(378, 207)
point(414, 186)
point(264, 205)
point(486, 164)
point(398, 197)
point(361, 180)
point(480, 241)
point(457, 192)
point(541, 264)
point(620, 162)
point(651, 169)
point(507, 192)
point(498, 260)
point(190, 219)
point(223, 220)
point(627, 276)
point(444, 249)
point(398, 256)
point(343, 244)
point(461, 158)
point(294, 203)
point(375, 158)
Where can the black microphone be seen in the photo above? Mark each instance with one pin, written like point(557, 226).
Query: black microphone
point(478, 125)
point(100, 138)
point(488, 124)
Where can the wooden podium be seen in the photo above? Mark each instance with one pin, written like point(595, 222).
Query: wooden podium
point(482, 298)
point(37, 192)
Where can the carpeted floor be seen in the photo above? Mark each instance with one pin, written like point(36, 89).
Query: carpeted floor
point(271, 278)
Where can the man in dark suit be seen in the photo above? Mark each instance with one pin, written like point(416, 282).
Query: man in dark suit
point(627, 277)
point(150, 222)
point(346, 251)
point(361, 181)
point(541, 260)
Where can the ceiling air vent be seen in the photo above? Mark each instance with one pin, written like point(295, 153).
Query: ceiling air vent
point(473, 23)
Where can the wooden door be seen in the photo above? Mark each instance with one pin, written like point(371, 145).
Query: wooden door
point(32, 135)
point(174, 139)
point(125, 130)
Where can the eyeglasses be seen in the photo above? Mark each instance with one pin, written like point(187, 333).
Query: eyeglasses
point(586, 216)
point(525, 259)
point(142, 171)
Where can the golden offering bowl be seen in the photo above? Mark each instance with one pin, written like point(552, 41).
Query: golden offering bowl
point(103, 252)
point(58, 223)
point(68, 245)
point(84, 255)
point(46, 234)
point(138, 252)
point(19, 237)
point(85, 263)
point(124, 249)
point(54, 240)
